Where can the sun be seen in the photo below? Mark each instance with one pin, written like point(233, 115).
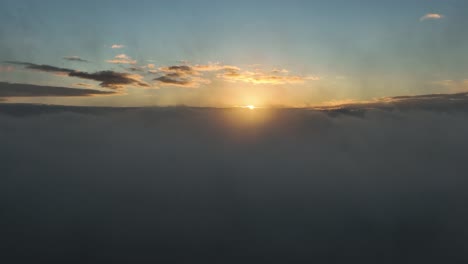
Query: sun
point(251, 107)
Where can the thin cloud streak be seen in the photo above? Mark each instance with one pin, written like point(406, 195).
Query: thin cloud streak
point(75, 58)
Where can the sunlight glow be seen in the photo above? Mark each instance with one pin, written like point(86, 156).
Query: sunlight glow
point(251, 107)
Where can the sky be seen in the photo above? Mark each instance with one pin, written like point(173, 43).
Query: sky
point(230, 53)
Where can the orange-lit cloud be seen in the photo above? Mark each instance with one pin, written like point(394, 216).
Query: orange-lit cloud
point(431, 16)
point(187, 75)
point(122, 59)
point(259, 77)
point(117, 46)
point(212, 67)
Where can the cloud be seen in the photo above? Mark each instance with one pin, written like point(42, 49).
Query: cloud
point(179, 69)
point(180, 184)
point(189, 76)
point(259, 77)
point(111, 79)
point(75, 58)
point(42, 68)
point(431, 16)
point(186, 75)
point(122, 59)
point(117, 46)
point(280, 71)
point(181, 80)
point(107, 79)
point(212, 67)
point(31, 90)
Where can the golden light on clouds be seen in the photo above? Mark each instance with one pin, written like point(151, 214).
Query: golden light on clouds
point(431, 16)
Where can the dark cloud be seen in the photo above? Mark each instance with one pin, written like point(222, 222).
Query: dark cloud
point(173, 78)
point(183, 68)
point(43, 68)
point(75, 58)
point(189, 185)
point(179, 79)
point(111, 79)
point(30, 90)
point(107, 79)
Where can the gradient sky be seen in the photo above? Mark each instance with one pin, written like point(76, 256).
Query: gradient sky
point(292, 53)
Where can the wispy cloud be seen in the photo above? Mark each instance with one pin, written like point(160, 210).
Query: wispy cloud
point(75, 58)
point(431, 16)
point(107, 79)
point(122, 59)
point(117, 46)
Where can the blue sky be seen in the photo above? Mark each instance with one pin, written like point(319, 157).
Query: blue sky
point(329, 51)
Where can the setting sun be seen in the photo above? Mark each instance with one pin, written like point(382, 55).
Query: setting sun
point(251, 107)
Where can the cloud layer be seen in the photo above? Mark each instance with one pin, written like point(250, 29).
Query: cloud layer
point(186, 185)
